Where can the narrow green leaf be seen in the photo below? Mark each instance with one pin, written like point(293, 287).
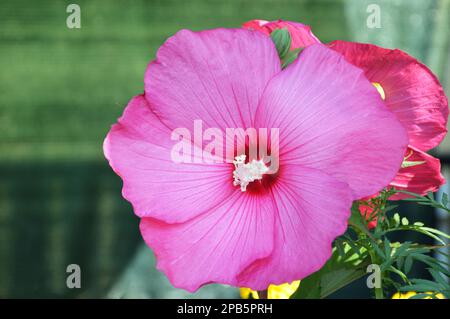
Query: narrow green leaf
point(408, 264)
point(438, 277)
point(444, 199)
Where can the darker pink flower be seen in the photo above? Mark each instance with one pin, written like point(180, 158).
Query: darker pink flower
point(414, 94)
point(422, 177)
point(410, 90)
point(337, 142)
point(301, 34)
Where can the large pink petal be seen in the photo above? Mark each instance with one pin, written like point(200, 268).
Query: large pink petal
point(216, 246)
point(139, 147)
point(332, 118)
point(216, 76)
point(412, 91)
point(301, 34)
point(312, 210)
point(419, 179)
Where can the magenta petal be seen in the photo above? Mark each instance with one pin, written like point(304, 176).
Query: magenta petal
point(419, 179)
point(139, 147)
point(312, 210)
point(217, 76)
point(216, 246)
point(332, 118)
point(412, 91)
point(257, 25)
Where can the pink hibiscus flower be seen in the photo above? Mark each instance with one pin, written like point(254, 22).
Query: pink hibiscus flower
point(337, 142)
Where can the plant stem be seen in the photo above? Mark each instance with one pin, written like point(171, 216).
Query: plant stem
point(379, 293)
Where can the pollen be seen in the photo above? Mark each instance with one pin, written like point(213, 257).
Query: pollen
point(245, 173)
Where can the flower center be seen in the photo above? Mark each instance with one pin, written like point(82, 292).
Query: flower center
point(245, 173)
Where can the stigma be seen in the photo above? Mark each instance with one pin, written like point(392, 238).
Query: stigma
point(245, 173)
point(379, 89)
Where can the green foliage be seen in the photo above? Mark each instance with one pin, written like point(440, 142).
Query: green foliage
point(347, 264)
point(428, 200)
point(289, 58)
point(361, 246)
point(282, 40)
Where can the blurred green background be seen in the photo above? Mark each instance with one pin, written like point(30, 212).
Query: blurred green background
point(60, 91)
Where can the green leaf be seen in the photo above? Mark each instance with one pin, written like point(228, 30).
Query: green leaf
point(309, 287)
point(444, 199)
point(282, 40)
point(436, 231)
point(398, 272)
point(290, 57)
point(400, 262)
point(438, 277)
point(432, 262)
point(387, 248)
point(408, 264)
point(401, 250)
point(337, 279)
point(377, 249)
point(430, 232)
point(335, 274)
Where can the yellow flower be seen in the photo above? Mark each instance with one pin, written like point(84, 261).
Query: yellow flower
point(283, 291)
point(247, 292)
point(409, 294)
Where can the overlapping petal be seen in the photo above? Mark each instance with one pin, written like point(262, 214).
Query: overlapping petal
point(216, 246)
point(331, 118)
point(412, 91)
point(139, 149)
point(312, 209)
point(217, 76)
point(301, 34)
